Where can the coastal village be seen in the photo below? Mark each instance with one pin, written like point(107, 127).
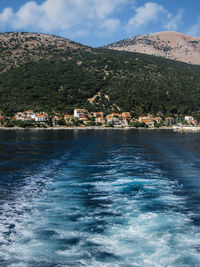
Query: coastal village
point(83, 118)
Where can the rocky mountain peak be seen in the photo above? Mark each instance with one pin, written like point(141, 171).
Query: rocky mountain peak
point(169, 44)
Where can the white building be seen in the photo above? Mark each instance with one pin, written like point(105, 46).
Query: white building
point(80, 113)
point(25, 116)
point(189, 118)
point(41, 117)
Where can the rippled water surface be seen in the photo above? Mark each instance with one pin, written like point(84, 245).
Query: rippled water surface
point(99, 198)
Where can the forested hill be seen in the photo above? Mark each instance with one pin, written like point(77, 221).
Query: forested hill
point(53, 74)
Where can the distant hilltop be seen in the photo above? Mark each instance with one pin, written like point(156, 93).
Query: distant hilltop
point(18, 48)
point(169, 44)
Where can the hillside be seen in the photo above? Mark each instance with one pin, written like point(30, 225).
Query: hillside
point(170, 45)
point(17, 48)
point(56, 75)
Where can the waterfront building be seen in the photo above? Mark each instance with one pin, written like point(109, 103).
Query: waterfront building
point(169, 121)
point(188, 118)
point(113, 118)
point(80, 113)
point(25, 116)
point(144, 118)
point(100, 120)
point(126, 115)
point(157, 119)
point(109, 118)
point(68, 118)
point(116, 115)
point(41, 117)
point(124, 122)
point(149, 123)
point(29, 115)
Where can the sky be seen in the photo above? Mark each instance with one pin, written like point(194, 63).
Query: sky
point(100, 22)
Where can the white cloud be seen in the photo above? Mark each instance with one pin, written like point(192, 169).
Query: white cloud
point(195, 28)
point(27, 15)
point(105, 7)
point(62, 16)
point(150, 13)
point(89, 18)
point(6, 15)
point(174, 22)
point(147, 13)
point(111, 25)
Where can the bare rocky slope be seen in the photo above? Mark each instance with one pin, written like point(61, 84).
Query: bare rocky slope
point(172, 45)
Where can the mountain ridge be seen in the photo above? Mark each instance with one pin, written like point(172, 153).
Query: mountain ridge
point(168, 44)
point(50, 73)
point(17, 48)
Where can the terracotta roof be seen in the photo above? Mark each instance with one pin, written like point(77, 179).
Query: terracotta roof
point(148, 121)
point(28, 111)
point(41, 115)
point(126, 114)
point(79, 109)
point(143, 117)
point(109, 116)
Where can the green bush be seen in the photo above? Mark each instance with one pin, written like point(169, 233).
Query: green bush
point(61, 122)
point(138, 124)
point(9, 124)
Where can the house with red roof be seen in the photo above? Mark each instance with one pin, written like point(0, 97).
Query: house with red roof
point(149, 123)
point(100, 120)
point(42, 117)
point(68, 118)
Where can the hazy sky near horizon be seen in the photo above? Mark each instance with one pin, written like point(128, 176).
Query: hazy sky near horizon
point(100, 22)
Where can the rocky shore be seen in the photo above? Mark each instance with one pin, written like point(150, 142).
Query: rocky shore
point(186, 129)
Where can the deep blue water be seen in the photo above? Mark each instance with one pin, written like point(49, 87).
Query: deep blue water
point(99, 198)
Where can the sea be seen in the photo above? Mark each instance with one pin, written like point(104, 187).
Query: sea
point(94, 198)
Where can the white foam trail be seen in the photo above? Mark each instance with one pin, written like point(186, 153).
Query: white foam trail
point(127, 214)
point(18, 214)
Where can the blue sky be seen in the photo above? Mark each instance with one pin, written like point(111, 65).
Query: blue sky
point(100, 22)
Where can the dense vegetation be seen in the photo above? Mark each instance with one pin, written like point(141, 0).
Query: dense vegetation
point(66, 78)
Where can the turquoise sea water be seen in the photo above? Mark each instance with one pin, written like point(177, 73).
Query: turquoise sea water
point(99, 198)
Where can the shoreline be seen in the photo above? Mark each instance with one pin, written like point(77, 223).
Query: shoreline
point(77, 128)
point(187, 129)
point(86, 128)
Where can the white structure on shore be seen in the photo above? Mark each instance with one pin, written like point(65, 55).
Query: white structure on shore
point(80, 113)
